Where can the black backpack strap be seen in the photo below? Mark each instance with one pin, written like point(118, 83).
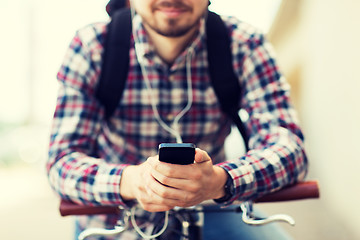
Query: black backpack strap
point(113, 5)
point(116, 65)
point(116, 59)
point(223, 78)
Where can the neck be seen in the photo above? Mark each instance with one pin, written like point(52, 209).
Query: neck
point(169, 48)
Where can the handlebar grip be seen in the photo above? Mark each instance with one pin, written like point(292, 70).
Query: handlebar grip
point(299, 191)
point(68, 208)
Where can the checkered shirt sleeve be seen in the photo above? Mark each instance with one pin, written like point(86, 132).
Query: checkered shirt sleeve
point(75, 170)
point(276, 157)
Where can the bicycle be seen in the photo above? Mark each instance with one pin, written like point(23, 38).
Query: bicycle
point(191, 227)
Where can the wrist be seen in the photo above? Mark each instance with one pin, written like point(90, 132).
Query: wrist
point(220, 182)
point(227, 190)
point(126, 190)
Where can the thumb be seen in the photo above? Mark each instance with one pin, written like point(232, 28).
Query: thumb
point(201, 156)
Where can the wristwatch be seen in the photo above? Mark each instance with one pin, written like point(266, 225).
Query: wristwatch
point(229, 191)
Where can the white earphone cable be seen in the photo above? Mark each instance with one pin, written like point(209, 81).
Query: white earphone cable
point(174, 131)
point(140, 56)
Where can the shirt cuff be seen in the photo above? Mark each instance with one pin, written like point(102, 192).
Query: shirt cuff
point(107, 185)
point(242, 175)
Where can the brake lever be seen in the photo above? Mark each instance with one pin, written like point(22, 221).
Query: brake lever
point(249, 218)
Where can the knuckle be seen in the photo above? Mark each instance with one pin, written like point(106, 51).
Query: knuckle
point(181, 203)
point(188, 197)
point(147, 207)
point(170, 172)
point(161, 201)
point(168, 208)
point(143, 199)
point(142, 204)
point(162, 193)
point(141, 188)
point(164, 180)
point(195, 188)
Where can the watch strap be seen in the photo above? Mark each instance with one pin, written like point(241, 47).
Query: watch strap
point(229, 191)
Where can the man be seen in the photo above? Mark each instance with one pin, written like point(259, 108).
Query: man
point(168, 97)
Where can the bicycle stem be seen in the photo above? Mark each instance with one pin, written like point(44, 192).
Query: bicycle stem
point(191, 224)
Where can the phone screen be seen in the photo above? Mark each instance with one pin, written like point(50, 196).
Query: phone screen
point(177, 153)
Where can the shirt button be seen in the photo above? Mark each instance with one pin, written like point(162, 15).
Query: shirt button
point(171, 78)
point(170, 117)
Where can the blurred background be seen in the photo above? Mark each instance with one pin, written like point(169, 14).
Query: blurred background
point(317, 42)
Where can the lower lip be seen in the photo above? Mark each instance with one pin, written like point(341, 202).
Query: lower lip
point(172, 13)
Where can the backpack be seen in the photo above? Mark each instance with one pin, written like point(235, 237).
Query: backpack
point(116, 63)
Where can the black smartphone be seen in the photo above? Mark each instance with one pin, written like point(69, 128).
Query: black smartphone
point(177, 153)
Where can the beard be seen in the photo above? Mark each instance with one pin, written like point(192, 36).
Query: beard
point(172, 27)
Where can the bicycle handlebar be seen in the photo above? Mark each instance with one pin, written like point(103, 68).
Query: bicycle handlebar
point(299, 191)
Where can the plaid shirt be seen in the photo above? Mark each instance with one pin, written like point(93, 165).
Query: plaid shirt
point(87, 153)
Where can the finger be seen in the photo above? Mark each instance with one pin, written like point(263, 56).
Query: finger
point(159, 192)
point(157, 208)
point(189, 185)
point(150, 201)
point(151, 207)
point(183, 199)
point(184, 195)
point(167, 169)
point(166, 196)
point(172, 170)
point(164, 190)
point(201, 156)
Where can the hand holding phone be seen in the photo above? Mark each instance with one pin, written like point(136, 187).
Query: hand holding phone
point(177, 153)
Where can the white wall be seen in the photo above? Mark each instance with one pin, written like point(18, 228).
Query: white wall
point(330, 102)
point(36, 35)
